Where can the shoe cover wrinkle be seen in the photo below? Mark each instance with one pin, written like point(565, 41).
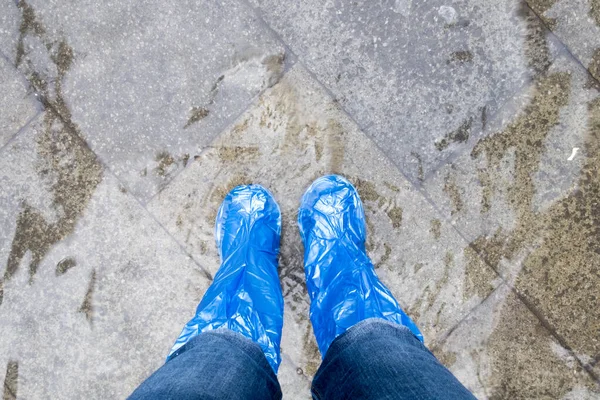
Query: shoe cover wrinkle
point(245, 295)
point(340, 277)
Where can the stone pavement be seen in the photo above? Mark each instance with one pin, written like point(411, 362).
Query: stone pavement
point(471, 129)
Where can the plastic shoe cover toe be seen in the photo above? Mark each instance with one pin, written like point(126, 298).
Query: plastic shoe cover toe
point(245, 295)
point(341, 281)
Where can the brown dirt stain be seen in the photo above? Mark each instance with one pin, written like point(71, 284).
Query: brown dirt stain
point(335, 146)
point(436, 228)
point(311, 351)
point(395, 215)
point(63, 157)
point(29, 25)
point(540, 7)
point(197, 114)
point(594, 69)
point(478, 276)
point(595, 11)
point(460, 135)
point(165, 160)
point(275, 65)
point(447, 358)
point(64, 265)
point(386, 256)
point(420, 172)
point(518, 339)
point(76, 173)
point(11, 381)
point(536, 46)
point(238, 153)
point(366, 190)
point(462, 56)
point(87, 307)
point(454, 194)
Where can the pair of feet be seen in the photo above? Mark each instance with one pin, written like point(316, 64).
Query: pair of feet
point(245, 295)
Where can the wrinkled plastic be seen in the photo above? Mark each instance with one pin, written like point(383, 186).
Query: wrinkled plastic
point(340, 277)
point(245, 295)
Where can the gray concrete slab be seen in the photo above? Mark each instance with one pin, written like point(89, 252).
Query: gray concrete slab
point(502, 350)
point(147, 83)
point(294, 134)
point(527, 199)
point(577, 24)
point(17, 105)
point(419, 76)
point(93, 291)
point(480, 184)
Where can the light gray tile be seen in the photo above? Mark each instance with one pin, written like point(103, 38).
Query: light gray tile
point(419, 76)
point(294, 134)
point(502, 350)
point(147, 83)
point(94, 291)
point(17, 106)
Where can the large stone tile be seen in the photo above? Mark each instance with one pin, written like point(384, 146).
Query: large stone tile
point(294, 134)
point(93, 291)
point(149, 83)
point(17, 106)
point(528, 198)
point(577, 24)
point(419, 76)
point(502, 351)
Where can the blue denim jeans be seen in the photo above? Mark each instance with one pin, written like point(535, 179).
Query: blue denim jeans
point(374, 359)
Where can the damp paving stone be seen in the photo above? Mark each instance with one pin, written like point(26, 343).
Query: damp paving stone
point(577, 24)
point(502, 351)
point(420, 76)
point(17, 105)
point(293, 134)
point(530, 193)
point(87, 278)
point(142, 80)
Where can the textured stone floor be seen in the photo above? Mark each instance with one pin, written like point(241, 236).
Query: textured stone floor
point(471, 129)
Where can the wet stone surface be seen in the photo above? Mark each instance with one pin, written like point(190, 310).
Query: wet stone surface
point(144, 81)
point(492, 349)
point(92, 288)
point(294, 134)
point(529, 202)
point(420, 77)
point(471, 130)
point(577, 24)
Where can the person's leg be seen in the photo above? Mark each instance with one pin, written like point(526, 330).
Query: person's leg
point(376, 360)
point(213, 365)
point(381, 359)
point(244, 305)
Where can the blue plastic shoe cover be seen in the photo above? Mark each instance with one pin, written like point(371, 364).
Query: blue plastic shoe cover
point(341, 281)
point(245, 295)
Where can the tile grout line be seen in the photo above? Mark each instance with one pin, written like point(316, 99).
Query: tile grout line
point(21, 129)
point(425, 195)
point(207, 274)
point(564, 44)
point(531, 307)
point(444, 336)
